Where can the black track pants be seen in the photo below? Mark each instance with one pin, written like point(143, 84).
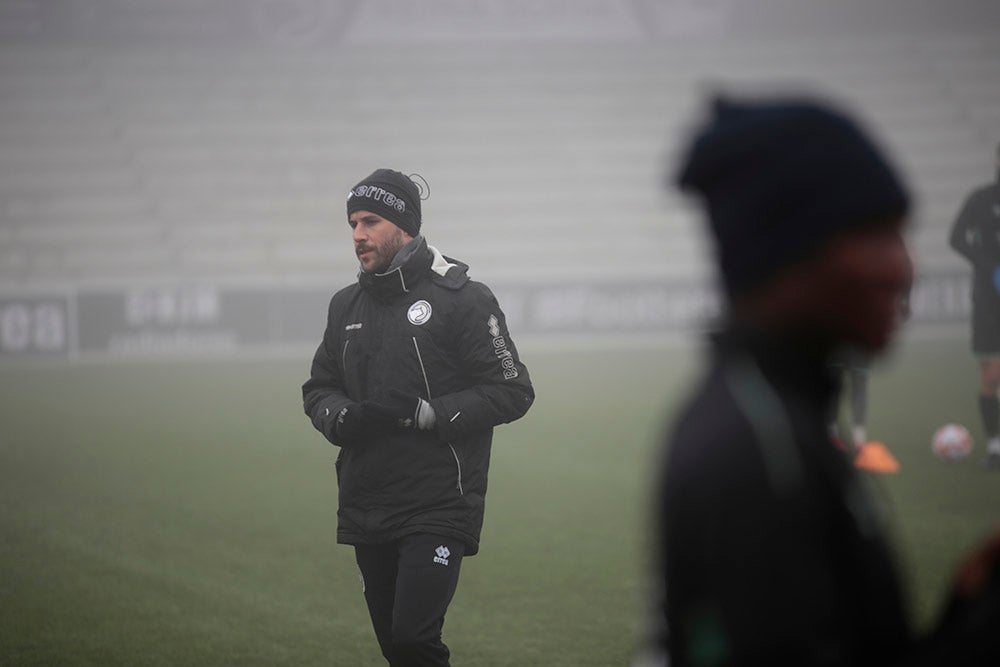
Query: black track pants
point(408, 585)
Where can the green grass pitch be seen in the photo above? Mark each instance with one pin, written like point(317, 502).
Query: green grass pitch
point(183, 513)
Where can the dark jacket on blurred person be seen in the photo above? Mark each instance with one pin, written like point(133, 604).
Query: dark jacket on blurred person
point(424, 329)
point(774, 551)
point(976, 236)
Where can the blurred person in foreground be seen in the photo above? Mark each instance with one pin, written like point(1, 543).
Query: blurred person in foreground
point(976, 236)
point(772, 550)
point(415, 369)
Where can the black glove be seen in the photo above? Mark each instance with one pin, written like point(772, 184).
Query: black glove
point(406, 411)
point(359, 421)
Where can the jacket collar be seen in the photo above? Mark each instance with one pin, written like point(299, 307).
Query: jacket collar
point(409, 267)
point(784, 361)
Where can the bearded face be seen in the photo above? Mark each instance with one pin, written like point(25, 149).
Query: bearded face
point(376, 240)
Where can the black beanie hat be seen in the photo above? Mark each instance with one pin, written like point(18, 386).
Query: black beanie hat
point(782, 178)
point(391, 195)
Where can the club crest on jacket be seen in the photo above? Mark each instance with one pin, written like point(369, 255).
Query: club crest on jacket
point(419, 312)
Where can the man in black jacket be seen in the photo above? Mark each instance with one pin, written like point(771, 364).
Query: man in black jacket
point(976, 236)
point(415, 369)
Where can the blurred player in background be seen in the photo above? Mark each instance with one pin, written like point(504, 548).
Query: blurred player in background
point(772, 551)
point(976, 236)
point(415, 369)
point(855, 367)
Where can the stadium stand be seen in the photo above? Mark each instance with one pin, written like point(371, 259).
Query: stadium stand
point(125, 161)
point(541, 160)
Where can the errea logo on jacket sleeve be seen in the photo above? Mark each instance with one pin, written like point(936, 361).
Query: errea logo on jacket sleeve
point(500, 349)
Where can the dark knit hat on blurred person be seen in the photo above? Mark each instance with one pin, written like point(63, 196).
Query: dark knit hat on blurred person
point(391, 195)
point(782, 178)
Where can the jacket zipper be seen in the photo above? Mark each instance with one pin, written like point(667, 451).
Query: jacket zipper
point(427, 386)
point(420, 360)
point(343, 357)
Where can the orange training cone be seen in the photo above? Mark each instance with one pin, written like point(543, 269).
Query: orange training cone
point(875, 457)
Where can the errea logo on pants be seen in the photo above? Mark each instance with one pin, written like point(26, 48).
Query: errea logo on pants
point(442, 555)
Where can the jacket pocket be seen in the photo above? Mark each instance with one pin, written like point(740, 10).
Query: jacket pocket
point(353, 364)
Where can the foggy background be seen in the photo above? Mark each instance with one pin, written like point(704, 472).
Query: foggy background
point(173, 174)
point(173, 177)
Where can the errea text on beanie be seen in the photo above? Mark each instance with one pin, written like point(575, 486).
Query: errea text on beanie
point(781, 179)
point(391, 195)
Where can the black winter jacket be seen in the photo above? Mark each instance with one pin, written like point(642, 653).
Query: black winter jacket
point(975, 235)
point(426, 329)
point(773, 550)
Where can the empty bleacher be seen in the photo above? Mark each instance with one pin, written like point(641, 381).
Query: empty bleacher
point(127, 162)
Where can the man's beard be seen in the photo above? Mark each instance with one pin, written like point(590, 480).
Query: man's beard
point(384, 253)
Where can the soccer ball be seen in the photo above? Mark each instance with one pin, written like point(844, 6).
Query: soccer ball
point(951, 442)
